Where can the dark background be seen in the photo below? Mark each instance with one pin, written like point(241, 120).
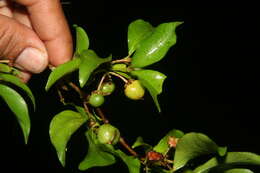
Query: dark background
point(212, 84)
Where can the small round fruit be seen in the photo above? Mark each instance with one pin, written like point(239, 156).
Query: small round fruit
point(96, 100)
point(108, 134)
point(134, 90)
point(107, 88)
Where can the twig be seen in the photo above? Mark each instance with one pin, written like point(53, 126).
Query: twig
point(123, 142)
point(117, 75)
point(101, 81)
point(102, 116)
point(77, 89)
point(124, 60)
point(86, 109)
point(62, 100)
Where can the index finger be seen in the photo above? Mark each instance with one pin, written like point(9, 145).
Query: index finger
point(50, 24)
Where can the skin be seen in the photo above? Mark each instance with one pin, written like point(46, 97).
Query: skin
point(38, 24)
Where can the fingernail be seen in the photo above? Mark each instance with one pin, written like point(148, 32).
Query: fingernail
point(32, 60)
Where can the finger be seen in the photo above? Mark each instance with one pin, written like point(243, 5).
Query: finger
point(5, 8)
point(49, 22)
point(21, 14)
point(24, 76)
point(19, 43)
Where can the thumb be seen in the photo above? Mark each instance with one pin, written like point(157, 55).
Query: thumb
point(20, 44)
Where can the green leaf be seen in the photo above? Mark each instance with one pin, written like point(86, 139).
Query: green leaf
point(62, 127)
point(19, 107)
point(5, 68)
point(155, 46)
point(162, 146)
point(192, 145)
point(132, 163)
point(16, 81)
point(137, 31)
point(231, 158)
point(239, 170)
point(140, 142)
point(222, 151)
point(61, 71)
point(97, 154)
point(152, 81)
point(82, 111)
point(82, 41)
point(89, 62)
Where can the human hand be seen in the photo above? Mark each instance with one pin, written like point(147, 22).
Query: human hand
point(33, 34)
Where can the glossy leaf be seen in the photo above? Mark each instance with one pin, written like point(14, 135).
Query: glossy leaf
point(162, 146)
point(132, 162)
point(89, 62)
point(18, 106)
point(17, 82)
point(82, 111)
point(192, 145)
point(5, 68)
point(152, 81)
point(62, 127)
point(61, 71)
point(231, 158)
point(154, 47)
point(82, 40)
point(222, 151)
point(140, 143)
point(137, 31)
point(97, 155)
point(239, 170)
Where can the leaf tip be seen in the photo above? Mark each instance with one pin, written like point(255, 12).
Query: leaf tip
point(61, 156)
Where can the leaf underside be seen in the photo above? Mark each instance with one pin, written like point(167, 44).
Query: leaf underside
point(19, 107)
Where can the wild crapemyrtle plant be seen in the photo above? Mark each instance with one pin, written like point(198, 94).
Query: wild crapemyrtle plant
point(90, 79)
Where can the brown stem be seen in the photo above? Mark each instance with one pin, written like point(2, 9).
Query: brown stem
point(101, 81)
point(124, 144)
point(102, 115)
point(86, 109)
point(121, 77)
point(77, 89)
point(124, 60)
point(62, 100)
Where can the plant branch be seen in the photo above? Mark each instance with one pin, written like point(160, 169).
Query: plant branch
point(124, 144)
point(86, 109)
point(101, 81)
point(102, 116)
point(124, 60)
point(117, 75)
point(77, 89)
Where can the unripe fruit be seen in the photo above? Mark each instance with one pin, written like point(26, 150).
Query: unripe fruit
point(108, 134)
point(134, 90)
point(107, 88)
point(96, 99)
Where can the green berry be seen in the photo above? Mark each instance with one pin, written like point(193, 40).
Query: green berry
point(96, 99)
point(108, 134)
point(134, 90)
point(107, 88)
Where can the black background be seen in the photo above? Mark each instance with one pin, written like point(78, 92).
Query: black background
point(212, 84)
